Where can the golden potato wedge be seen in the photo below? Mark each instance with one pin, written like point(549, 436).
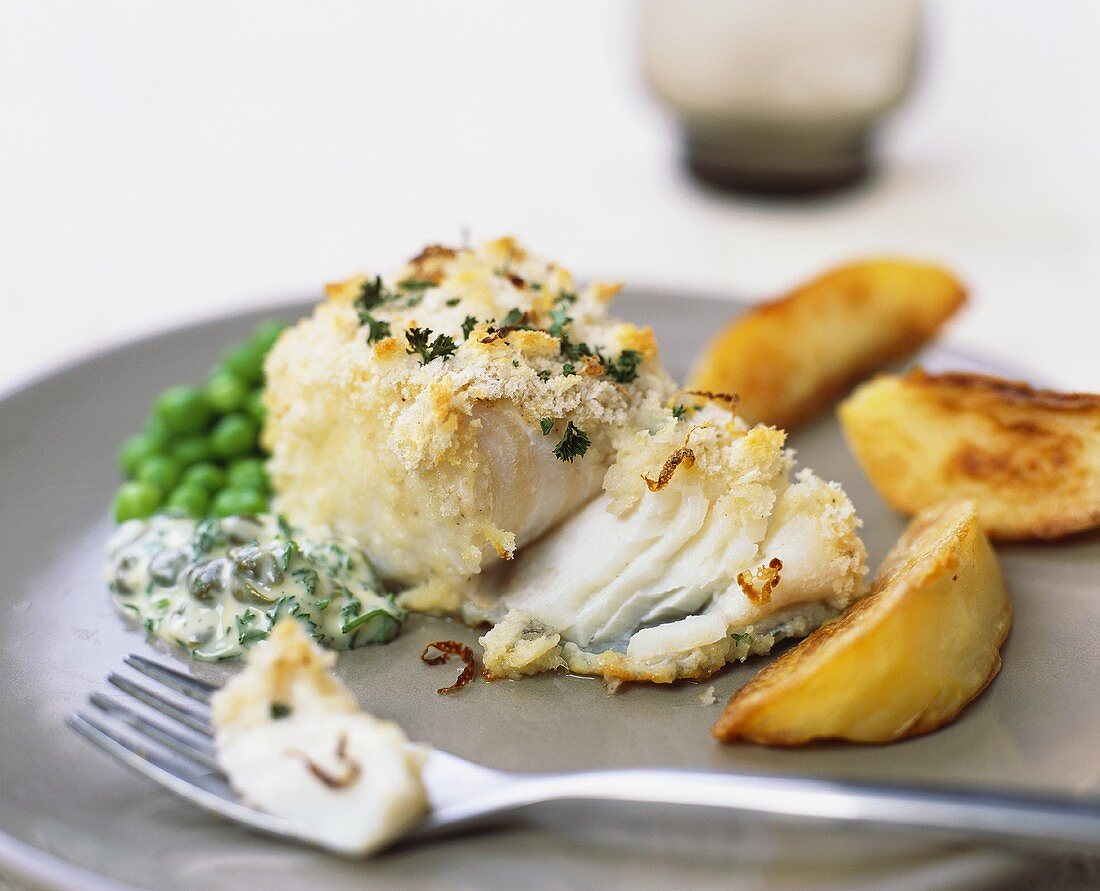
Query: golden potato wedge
point(1030, 459)
point(792, 358)
point(903, 661)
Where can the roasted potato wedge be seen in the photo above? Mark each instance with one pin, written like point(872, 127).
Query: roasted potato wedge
point(903, 661)
point(1030, 459)
point(792, 358)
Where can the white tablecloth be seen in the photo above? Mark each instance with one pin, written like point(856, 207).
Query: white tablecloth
point(161, 162)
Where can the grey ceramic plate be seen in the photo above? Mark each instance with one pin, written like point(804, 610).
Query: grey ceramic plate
point(69, 817)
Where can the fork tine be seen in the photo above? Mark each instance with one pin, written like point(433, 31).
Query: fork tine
point(168, 773)
point(189, 717)
point(182, 683)
point(197, 748)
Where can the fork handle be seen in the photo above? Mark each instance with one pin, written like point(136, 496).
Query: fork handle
point(1029, 822)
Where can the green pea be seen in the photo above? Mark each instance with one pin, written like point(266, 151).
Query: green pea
point(206, 476)
point(266, 333)
point(135, 450)
point(248, 473)
point(161, 471)
point(184, 410)
point(245, 361)
point(190, 450)
point(234, 435)
point(255, 404)
point(230, 502)
point(192, 499)
point(136, 500)
point(158, 434)
point(226, 392)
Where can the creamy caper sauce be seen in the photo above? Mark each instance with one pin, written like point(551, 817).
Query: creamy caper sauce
point(217, 586)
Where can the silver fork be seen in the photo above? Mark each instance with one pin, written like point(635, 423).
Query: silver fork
point(179, 754)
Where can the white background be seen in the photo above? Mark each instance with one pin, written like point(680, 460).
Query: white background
point(161, 162)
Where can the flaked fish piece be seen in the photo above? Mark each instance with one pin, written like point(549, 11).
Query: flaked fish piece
point(671, 576)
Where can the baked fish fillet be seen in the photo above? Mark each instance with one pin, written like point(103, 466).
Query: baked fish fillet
point(476, 408)
point(700, 551)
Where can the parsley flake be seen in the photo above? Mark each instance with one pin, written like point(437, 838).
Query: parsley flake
point(573, 444)
point(377, 329)
point(415, 284)
point(559, 318)
point(372, 293)
point(625, 368)
point(440, 348)
point(468, 325)
point(546, 424)
point(516, 318)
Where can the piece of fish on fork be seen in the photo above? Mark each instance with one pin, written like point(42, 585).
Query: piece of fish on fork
point(177, 751)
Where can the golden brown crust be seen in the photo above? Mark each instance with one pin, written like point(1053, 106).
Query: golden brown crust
point(792, 357)
point(1030, 458)
point(430, 264)
point(1003, 390)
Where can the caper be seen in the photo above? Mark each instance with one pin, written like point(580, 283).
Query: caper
point(257, 565)
point(120, 586)
point(205, 579)
point(165, 567)
point(272, 573)
point(247, 560)
point(247, 591)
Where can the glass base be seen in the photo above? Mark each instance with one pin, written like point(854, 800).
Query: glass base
point(781, 161)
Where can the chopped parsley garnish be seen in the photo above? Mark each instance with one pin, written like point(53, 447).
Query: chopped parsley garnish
point(544, 375)
point(546, 424)
point(515, 318)
point(252, 635)
point(308, 579)
point(372, 293)
point(468, 325)
point(558, 320)
point(453, 301)
point(279, 710)
point(678, 411)
point(568, 369)
point(440, 348)
point(625, 368)
point(415, 284)
point(573, 444)
point(572, 350)
point(377, 328)
point(567, 297)
point(741, 637)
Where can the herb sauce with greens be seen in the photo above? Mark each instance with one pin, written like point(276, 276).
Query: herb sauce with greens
point(216, 586)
